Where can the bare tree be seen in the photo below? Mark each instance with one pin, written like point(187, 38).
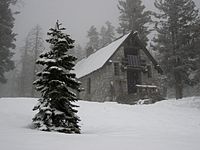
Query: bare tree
point(33, 47)
point(38, 47)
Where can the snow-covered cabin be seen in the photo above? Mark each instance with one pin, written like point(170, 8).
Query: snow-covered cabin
point(123, 71)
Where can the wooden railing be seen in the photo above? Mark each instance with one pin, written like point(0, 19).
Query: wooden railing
point(133, 62)
point(145, 91)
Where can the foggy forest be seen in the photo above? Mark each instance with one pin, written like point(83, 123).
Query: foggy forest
point(30, 25)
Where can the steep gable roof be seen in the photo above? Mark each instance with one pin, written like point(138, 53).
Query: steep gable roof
point(96, 60)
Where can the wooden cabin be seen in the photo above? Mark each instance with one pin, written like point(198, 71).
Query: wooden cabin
point(123, 71)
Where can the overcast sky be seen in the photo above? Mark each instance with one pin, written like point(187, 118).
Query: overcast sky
point(76, 15)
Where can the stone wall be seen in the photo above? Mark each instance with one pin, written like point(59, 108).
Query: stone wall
point(100, 80)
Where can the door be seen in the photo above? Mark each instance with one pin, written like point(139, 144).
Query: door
point(133, 78)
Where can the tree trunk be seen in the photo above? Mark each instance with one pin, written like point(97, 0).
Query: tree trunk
point(35, 58)
point(178, 84)
point(23, 71)
point(179, 91)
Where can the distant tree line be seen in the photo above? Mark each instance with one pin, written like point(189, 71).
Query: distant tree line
point(100, 39)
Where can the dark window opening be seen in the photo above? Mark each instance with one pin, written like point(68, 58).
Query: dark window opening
point(89, 86)
point(131, 51)
point(116, 69)
point(149, 71)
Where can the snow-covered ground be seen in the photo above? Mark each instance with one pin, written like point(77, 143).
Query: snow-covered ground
point(167, 125)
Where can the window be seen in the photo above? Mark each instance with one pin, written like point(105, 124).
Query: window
point(116, 69)
point(89, 86)
point(149, 71)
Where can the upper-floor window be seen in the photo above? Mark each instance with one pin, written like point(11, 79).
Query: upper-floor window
point(116, 69)
point(149, 71)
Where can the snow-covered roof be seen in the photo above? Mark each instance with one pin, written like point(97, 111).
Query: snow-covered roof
point(96, 60)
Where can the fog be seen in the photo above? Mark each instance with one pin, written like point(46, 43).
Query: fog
point(76, 15)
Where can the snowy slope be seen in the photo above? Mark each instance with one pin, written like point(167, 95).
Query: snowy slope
point(167, 125)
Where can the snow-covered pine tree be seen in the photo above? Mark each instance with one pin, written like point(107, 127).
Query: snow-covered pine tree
point(56, 109)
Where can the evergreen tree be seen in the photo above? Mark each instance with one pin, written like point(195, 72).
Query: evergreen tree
point(56, 111)
point(176, 40)
point(78, 52)
point(134, 17)
point(107, 34)
point(93, 36)
point(7, 37)
point(89, 51)
point(102, 41)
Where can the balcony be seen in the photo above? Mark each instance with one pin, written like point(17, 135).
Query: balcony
point(133, 62)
